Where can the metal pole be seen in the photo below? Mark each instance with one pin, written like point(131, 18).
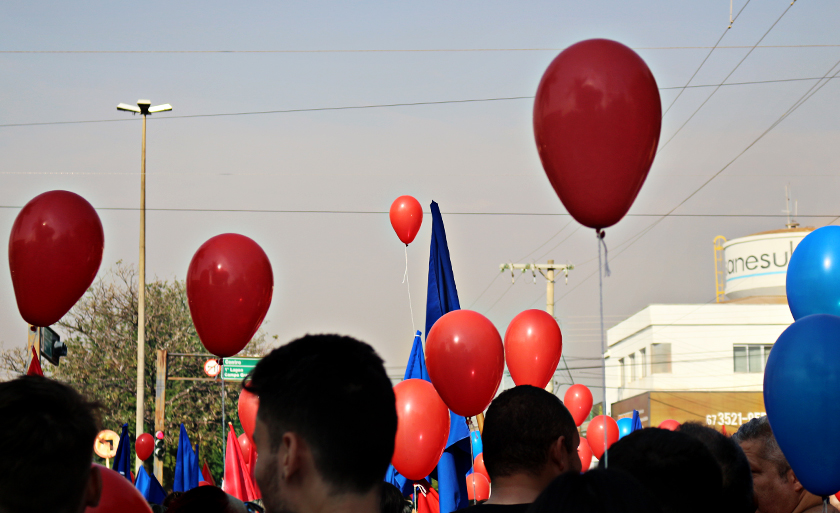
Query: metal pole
point(224, 445)
point(141, 301)
point(160, 406)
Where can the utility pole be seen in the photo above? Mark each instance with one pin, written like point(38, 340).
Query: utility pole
point(548, 271)
point(144, 108)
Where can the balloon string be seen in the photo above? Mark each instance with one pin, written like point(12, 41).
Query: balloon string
point(472, 455)
point(600, 235)
point(825, 504)
point(408, 287)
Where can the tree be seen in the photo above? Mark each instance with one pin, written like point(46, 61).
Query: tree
point(101, 363)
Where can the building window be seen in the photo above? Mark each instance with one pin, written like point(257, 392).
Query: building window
point(751, 358)
point(660, 361)
point(632, 367)
point(643, 358)
point(623, 374)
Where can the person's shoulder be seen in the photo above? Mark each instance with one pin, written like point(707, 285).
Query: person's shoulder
point(819, 509)
point(496, 508)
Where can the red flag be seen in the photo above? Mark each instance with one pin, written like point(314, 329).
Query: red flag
point(33, 368)
point(237, 479)
point(428, 500)
point(252, 464)
point(205, 473)
point(723, 430)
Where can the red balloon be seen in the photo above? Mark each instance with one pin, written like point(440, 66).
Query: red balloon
point(597, 117)
point(533, 345)
point(54, 253)
point(578, 400)
point(595, 434)
point(585, 454)
point(244, 445)
point(670, 425)
point(478, 487)
point(465, 359)
point(118, 495)
point(478, 466)
point(406, 217)
point(422, 428)
point(229, 286)
point(144, 446)
point(248, 405)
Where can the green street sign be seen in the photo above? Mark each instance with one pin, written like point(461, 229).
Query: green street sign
point(238, 368)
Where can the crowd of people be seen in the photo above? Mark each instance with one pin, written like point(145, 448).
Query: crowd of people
point(325, 436)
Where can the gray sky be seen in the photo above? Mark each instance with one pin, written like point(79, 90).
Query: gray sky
point(343, 272)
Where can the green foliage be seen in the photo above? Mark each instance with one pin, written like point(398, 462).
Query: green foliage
point(101, 337)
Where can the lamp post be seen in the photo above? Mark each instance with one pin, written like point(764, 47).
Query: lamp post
point(143, 108)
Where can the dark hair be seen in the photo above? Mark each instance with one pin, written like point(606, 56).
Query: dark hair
point(46, 436)
point(520, 426)
point(204, 499)
point(734, 466)
point(595, 491)
point(677, 470)
point(332, 391)
point(759, 429)
point(392, 500)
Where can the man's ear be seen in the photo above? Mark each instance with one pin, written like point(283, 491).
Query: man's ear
point(93, 488)
point(294, 452)
point(791, 478)
point(559, 455)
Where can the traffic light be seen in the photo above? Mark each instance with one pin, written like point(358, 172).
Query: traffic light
point(159, 445)
point(52, 348)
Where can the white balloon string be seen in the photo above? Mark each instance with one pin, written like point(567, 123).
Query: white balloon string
point(408, 287)
point(606, 255)
point(472, 455)
point(600, 235)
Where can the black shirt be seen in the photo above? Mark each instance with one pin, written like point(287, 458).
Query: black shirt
point(496, 508)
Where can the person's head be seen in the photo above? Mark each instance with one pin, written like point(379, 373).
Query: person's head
point(326, 422)
point(46, 436)
point(775, 486)
point(737, 480)
point(206, 499)
point(392, 500)
point(678, 471)
point(595, 491)
point(528, 431)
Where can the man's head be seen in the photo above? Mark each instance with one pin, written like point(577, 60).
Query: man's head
point(528, 431)
point(326, 422)
point(46, 436)
point(775, 486)
point(677, 470)
point(737, 480)
point(206, 499)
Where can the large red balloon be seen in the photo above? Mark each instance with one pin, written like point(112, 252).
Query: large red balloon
point(597, 117)
point(229, 286)
point(144, 446)
point(248, 405)
point(118, 495)
point(670, 425)
point(478, 487)
point(465, 359)
point(533, 345)
point(595, 434)
point(54, 253)
point(578, 400)
point(479, 468)
point(406, 217)
point(422, 428)
point(585, 454)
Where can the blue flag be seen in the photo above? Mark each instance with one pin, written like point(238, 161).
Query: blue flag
point(149, 486)
point(122, 460)
point(637, 422)
point(442, 298)
point(186, 464)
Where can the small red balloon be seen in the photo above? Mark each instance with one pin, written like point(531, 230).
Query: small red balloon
point(597, 117)
point(670, 425)
point(55, 249)
point(479, 468)
point(533, 345)
point(229, 287)
point(245, 445)
point(248, 405)
point(595, 434)
point(144, 446)
point(406, 217)
point(465, 359)
point(118, 495)
point(585, 455)
point(478, 487)
point(578, 400)
point(422, 428)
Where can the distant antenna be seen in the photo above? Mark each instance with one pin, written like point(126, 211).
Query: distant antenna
point(730, 15)
point(791, 223)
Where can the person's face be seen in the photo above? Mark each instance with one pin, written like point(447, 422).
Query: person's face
point(574, 462)
point(267, 472)
point(773, 493)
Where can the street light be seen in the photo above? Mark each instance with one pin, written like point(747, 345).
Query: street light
point(143, 108)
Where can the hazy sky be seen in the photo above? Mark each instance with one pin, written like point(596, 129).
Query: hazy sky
point(343, 272)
